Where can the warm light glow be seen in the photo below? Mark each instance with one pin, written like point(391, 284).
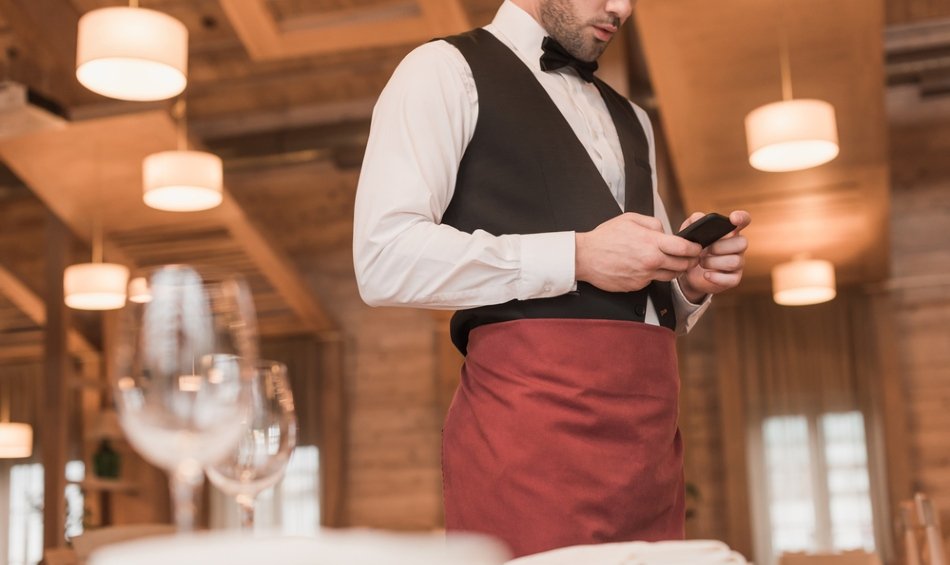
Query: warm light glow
point(139, 292)
point(791, 135)
point(803, 281)
point(132, 53)
point(183, 181)
point(16, 440)
point(95, 286)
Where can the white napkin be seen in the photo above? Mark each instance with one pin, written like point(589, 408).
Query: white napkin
point(692, 552)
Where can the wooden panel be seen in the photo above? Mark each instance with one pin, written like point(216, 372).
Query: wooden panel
point(920, 296)
point(910, 11)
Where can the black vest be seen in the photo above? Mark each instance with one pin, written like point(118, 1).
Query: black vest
point(526, 172)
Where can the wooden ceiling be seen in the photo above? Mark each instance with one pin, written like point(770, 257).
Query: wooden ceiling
point(713, 62)
point(283, 91)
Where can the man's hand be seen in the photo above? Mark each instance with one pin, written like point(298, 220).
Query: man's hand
point(627, 252)
point(719, 266)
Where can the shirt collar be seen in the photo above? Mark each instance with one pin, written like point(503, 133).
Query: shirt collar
point(521, 31)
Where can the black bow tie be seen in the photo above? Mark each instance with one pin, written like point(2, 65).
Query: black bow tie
point(556, 56)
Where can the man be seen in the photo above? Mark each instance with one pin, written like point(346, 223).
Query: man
point(504, 180)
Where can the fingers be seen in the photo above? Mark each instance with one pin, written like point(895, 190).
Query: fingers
point(723, 263)
point(678, 247)
point(723, 280)
point(648, 222)
point(731, 245)
point(695, 216)
point(741, 219)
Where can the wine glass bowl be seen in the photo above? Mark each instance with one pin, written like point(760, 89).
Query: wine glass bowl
point(269, 435)
point(185, 353)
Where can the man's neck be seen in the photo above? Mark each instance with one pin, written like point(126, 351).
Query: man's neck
point(532, 7)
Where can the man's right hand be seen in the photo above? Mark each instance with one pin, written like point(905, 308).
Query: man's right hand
point(627, 252)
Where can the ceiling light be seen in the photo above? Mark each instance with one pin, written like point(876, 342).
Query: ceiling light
point(803, 281)
point(16, 440)
point(790, 135)
point(183, 181)
point(95, 286)
point(139, 291)
point(131, 53)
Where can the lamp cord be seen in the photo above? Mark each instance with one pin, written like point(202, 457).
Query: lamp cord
point(786, 67)
point(181, 121)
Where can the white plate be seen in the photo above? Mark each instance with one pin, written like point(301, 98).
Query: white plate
point(359, 547)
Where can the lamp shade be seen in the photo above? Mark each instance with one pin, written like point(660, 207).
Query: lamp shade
point(139, 291)
point(132, 53)
point(95, 286)
point(803, 281)
point(16, 440)
point(791, 135)
point(182, 181)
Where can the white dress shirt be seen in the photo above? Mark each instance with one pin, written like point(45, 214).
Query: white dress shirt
point(422, 123)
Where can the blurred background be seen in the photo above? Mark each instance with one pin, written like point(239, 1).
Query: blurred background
point(806, 426)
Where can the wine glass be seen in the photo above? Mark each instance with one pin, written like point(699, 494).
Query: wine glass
point(186, 348)
point(269, 437)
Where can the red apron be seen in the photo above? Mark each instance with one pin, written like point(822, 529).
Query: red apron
point(564, 432)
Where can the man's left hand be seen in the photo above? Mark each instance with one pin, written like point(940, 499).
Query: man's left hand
point(719, 266)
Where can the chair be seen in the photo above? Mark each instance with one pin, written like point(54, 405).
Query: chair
point(929, 519)
point(92, 540)
point(856, 557)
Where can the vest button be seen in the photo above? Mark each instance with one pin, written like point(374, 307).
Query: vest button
point(640, 311)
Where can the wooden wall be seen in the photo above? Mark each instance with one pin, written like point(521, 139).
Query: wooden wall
point(920, 218)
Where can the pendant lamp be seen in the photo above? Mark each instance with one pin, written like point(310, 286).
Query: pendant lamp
point(95, 285)
point(139, 291)
point(132, 53)
point(182, 180)
point(16, 440)
point(803, 281)
point(792, 134)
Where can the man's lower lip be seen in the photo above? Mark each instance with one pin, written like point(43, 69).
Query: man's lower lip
point(602, 34)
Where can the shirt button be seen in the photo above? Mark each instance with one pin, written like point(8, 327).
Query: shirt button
point(640, 311)
point(547, 288)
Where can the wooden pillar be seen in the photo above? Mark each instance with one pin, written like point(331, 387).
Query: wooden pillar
point(55, 366)
point(333, 431)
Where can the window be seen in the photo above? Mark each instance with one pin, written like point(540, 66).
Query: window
point(816, 476)
point(75, 502)
point(26, 510)
point(26, 514)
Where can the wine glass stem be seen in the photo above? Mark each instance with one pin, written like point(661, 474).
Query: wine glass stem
point(185, 486)
point(246, 506)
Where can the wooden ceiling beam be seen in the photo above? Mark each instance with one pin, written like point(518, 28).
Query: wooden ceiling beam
point(32, 305)
point(20, 346)
point(266, 39)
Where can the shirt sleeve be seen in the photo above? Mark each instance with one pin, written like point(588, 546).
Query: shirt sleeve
point(687, 313)
point(402, 254)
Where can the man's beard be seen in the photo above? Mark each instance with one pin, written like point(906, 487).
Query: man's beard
point(563, 25)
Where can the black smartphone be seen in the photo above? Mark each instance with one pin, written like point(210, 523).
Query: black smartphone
point(707, 229)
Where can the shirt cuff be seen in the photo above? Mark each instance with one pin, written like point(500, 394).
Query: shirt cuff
point(547, 265)
point(687, 313)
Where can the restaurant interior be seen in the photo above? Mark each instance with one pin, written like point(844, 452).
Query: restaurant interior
point(814, 398)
